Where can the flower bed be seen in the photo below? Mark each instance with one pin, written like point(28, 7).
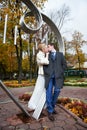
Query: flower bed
point(26, 96)
point(76, 82)
point(76, 106)
point(14, 83)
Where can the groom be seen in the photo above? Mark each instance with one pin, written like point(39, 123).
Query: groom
point(54, 78)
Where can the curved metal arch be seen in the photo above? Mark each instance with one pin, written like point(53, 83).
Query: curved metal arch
point(39, 16)
point(33, 12)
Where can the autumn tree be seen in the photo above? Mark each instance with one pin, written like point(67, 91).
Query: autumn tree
point(67, 46)
point(77, 43)
point(14, 9)
point(8, 62)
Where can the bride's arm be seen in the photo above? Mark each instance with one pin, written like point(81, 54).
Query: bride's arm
point(42, 60)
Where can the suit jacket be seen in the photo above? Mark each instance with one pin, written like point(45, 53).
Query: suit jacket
point(57, 67)
point(41, 60)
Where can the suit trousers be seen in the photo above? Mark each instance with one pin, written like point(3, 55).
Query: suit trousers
point(52, 94)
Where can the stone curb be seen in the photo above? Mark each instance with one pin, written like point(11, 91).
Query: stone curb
point(79, 120)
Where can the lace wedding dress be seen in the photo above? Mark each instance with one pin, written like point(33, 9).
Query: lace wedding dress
point(38, 98)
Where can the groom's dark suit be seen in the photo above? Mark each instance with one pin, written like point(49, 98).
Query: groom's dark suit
point(54, 76)
point(58, 67)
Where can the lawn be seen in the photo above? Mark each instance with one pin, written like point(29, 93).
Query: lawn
point(75, 81)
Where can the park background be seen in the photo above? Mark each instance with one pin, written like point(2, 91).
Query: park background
point(18, 60)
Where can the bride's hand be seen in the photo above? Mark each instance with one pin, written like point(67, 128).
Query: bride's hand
point(47, 54)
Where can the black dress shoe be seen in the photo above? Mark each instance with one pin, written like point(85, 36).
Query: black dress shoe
point(50, 116)
point(55, 112)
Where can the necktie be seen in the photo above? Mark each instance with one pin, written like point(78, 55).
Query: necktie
point(53, 55)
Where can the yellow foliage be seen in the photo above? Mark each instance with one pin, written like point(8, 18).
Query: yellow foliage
point(77, 107)
point(85, 120)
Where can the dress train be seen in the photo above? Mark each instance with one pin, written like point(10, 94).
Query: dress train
point(38, 98)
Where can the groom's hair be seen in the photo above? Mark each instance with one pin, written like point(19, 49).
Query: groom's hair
point(52, 44)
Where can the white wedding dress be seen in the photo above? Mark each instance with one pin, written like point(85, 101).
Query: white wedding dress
point(38, 98)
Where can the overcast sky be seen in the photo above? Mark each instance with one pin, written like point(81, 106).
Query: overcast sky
point(78, 14)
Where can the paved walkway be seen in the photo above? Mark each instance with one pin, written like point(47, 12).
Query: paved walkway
point(11, 117)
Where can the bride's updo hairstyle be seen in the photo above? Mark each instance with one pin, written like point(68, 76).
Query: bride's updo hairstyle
point(41, 46)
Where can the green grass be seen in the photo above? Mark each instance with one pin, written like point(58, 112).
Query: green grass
point(75, 81)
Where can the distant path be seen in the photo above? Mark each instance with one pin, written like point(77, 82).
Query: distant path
point(73, 92)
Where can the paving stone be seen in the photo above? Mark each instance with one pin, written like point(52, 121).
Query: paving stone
point(35, 126)
point(70, 120)
point(59, 123)
point(22, 127)
point(14, 120)
point(80, 127)
point(57, 128)
point(69, 127)
point(48, 124)
point(8, 128)
point(61, 117)
point(1, 119)
point(4, 123)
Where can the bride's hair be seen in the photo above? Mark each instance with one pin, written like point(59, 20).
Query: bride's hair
point(41, 46)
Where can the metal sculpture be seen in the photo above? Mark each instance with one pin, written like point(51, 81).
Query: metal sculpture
point(39, 17)
point(33, 12)
point(13, 98)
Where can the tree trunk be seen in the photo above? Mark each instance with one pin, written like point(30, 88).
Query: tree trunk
point(79, 62)
point(30, 59)
point(19, 57)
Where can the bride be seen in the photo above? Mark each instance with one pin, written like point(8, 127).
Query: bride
point(38, 98)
